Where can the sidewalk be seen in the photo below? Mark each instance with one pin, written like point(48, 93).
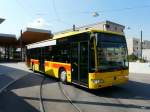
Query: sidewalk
point(136, 67)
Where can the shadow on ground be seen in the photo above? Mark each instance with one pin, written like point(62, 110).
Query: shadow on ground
point(31, 80)
point(131, 90)
point(10, 101)
point(28, 80)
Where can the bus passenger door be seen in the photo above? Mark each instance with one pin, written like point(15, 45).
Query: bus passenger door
point(74, 62)
point(79, 63)
point(41, 60)
point(83, 63)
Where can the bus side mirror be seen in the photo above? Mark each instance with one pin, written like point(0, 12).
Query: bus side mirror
point(96, 38)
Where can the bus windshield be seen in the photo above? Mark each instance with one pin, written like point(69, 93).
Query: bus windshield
point(111, 52)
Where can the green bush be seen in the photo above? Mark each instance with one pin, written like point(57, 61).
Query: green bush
point(142, 60)
point(132, 57)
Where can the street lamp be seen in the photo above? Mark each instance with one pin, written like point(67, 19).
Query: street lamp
point(141, 43)
point(1, 20)
point(95, 14)
point(128, 28)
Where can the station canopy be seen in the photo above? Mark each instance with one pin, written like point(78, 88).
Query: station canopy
point(8, 40)
point(31, 35)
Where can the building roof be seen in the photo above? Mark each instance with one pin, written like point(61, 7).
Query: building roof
point(7, 39)
point(104, 22)
point(69, 33)
point(31, 35)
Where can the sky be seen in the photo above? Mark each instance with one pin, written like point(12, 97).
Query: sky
point(58, 15)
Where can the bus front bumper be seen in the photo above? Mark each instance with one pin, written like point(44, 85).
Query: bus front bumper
point(105, 79)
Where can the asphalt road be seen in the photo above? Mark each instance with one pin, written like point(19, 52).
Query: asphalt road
point(23, 96)
point(10, 72)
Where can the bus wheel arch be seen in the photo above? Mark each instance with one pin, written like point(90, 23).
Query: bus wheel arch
point(63, 74)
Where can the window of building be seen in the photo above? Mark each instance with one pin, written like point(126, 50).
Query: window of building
point(107, 26)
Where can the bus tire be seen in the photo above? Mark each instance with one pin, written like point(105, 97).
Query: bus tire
point(63, 76)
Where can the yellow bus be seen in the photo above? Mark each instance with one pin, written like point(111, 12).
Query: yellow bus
point(91, 58)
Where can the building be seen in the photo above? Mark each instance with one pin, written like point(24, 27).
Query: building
point(146, 44)
point(134, 46)
point(104, 26)
point(31, 35)
point(146, 54)
point(7, 46)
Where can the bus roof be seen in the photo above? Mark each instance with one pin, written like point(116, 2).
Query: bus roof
point(65, 34)
point(70, 33)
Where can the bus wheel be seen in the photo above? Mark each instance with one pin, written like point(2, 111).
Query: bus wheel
point(63, 76)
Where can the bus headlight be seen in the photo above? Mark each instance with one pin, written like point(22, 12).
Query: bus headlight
point(96, 81)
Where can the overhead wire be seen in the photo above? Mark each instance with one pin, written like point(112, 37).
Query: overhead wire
point(25, 9)
point(111, 10)
point(84, 12)
point(58, 19)
point(126, 9)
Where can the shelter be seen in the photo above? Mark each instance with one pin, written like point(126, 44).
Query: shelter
point(7, 39)
point(8, 44)
point(31, 35)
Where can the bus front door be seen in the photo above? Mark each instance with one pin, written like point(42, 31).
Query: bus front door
point(79, 59)
point(74, 62)
point(83, 62)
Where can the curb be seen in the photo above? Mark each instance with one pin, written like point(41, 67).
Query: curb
point(138, 73)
